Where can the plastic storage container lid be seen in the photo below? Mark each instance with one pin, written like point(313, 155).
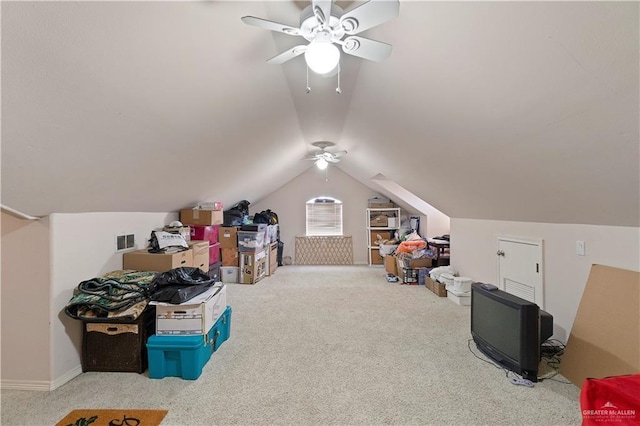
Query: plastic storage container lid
point(447, 278)
point(175, 342)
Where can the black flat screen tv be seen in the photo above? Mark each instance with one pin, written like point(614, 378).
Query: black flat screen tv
point(508, 329)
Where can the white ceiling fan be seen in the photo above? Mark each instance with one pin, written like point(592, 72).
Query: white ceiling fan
point(325, 25)
point(322, 157)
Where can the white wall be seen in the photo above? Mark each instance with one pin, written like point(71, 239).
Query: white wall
point(25, 303)
point(474, 246)
point(289, 203)
point(42, 262)
point(83, 247)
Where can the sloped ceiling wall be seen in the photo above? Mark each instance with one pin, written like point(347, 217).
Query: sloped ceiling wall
point(493, 110)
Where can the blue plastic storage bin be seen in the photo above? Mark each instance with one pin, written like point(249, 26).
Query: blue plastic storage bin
point(223, 326)
point(185, 356)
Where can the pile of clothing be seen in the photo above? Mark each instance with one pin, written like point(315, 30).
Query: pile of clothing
point(121, 296)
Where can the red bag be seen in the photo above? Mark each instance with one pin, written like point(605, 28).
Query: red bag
point(611, 401)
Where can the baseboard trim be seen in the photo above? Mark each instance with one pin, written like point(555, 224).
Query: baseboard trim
point(40, 385)
point(68, 376)
point(29, 385)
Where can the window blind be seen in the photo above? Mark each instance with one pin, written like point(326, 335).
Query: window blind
point(324, 218)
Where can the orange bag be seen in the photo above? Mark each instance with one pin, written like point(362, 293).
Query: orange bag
point(411, 246)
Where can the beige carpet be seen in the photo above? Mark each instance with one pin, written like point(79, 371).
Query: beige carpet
point(325, 345)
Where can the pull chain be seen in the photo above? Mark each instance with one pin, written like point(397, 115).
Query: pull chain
point(308, 87)
point(338, 89)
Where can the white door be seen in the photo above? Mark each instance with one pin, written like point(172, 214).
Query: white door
point(520, 268)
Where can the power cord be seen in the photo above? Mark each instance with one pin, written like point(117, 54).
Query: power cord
point(551, 352)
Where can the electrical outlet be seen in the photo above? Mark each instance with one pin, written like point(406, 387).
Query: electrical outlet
point(580, 248)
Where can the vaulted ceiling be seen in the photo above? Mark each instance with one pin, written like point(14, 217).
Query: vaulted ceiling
point(521, 111)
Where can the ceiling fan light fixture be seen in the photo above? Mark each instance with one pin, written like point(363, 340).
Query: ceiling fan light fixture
point(321, 163)
point(322, 56)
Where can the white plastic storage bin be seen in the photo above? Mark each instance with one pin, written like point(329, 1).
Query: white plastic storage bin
point(462, 284)
point(462, 299)
point(229, 274)
point(447, 280)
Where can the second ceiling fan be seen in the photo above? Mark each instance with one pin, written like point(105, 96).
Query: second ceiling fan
point(325, 26)
point(322, 157)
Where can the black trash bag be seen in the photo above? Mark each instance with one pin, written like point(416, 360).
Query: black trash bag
point(237, 215)
point(233, 218)
point(180, 285)
point(266, 216)
point(243, 206)
point(261, 217)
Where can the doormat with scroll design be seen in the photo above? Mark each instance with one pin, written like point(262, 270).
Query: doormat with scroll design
point(123, 417)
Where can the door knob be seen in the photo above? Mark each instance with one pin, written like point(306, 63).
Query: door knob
point(500, 253)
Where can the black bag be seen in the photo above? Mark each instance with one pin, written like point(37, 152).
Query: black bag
point(266, 216)
point(180, 285)
point(261, 217)
point(237, 215)
point(233, 218)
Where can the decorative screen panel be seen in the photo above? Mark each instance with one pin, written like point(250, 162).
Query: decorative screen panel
point(337, 250)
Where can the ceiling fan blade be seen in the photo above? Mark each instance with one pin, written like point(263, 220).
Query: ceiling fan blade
point(270, 25)
point(339, 154)
point(287, 55)
point(366, 48)
point(368, 15)
point(332, 160)
point(322, 11)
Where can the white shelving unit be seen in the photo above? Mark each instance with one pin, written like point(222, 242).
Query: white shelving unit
point(375, 224)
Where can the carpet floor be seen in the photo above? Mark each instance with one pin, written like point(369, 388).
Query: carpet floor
point(325, 345)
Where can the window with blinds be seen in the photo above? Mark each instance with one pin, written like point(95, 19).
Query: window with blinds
point(324, 217)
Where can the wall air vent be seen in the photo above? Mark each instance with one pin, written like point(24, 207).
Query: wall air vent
point(125, 241)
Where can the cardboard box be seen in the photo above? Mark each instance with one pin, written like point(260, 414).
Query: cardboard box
point(385, 235)
point(415, 263)
point(376, 259)
point(228, 237)
point(439, 289)
point(605, 337)
point(253, 267)
point(230, 256)
point(373, 205)
point(201, 217)
point(142, 260)
point(200, 254)
point(391, 265)
point(380, 221)
point(195, 316)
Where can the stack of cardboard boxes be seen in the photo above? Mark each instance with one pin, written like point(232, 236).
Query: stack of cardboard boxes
point(187, 334)
point(249, 253)
point(201, 230)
